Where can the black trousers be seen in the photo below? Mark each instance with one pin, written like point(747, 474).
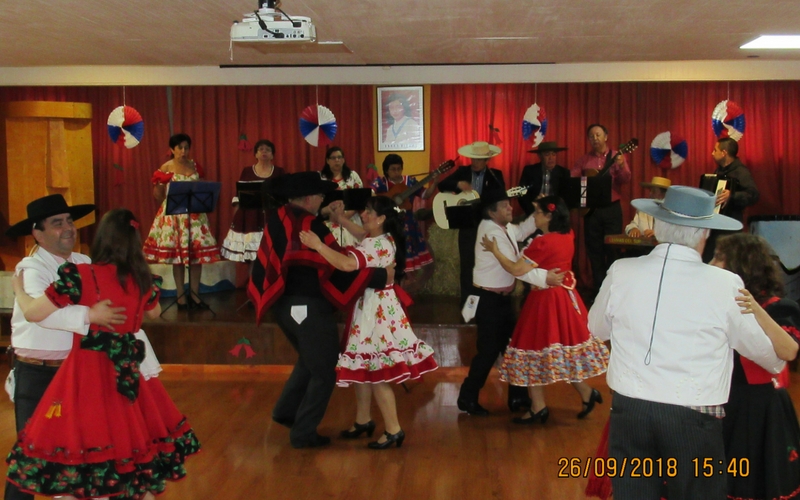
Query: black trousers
point(601, 222)
point(31, 383)
point(466, 256)
point(307, 391)
point(495, 318)
point(644, 431)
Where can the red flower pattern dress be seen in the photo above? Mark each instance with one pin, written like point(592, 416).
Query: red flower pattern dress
point(381, 346)
point(551, 341)
point(101, 429)
point(170, 235)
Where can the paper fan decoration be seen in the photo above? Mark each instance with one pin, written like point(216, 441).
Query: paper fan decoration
point(125, 127)
point(668, 150)
point(534, 124)
point(318, 125)
point(727, 120)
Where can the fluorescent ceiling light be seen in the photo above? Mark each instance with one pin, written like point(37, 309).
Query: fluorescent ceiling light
point(774, 42)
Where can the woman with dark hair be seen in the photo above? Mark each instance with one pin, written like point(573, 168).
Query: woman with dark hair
point(244, 236)
point(180, 239)
point(101, 429)
point(417, 253)
point(381, 348)
point(336, 170)
point(551, 342)
point(760, 423)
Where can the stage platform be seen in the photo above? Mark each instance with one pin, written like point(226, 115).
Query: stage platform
point(201, 338)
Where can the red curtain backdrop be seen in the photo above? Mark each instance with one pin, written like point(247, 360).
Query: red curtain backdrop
point(215, 117)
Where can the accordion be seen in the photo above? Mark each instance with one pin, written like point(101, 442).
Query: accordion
point(715, 184)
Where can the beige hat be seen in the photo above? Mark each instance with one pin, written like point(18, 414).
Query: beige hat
point(657, 182)
point(479, 150)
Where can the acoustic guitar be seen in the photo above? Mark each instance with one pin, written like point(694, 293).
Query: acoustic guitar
point(444, 200)
point(628, 147)
point(401, 193)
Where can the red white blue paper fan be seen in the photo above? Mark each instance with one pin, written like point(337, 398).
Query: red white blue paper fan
point(318, 125)
point(727, 120)
point(668, 150)
point(125, 127)
point(534, 124)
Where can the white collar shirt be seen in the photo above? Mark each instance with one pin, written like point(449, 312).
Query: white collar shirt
point(488, 273)
point(689, 358)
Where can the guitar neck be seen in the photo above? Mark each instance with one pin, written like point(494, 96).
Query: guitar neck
point(413, 189)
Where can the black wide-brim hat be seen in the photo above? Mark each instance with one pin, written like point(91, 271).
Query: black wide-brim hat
point(43, 208)
point(492, 196)
point(547, 146)
point(300, 184)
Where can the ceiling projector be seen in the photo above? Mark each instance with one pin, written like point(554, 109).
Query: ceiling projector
point(271, 24)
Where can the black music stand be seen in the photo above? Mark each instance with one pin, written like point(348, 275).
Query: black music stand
point(186, 198)
point(354, 199)
point(250, 195)
point(588, 192)
point(464, 216)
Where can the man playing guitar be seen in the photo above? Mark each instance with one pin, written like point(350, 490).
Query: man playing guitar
point(605, 220)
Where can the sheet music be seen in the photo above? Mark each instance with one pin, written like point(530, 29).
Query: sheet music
point(722, 185)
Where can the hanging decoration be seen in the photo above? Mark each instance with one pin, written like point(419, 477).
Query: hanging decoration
point(244, 144)
point(534, 124)
point(318, 125)
point(125, 127)
point(243, 343)
point(668, 150)
point(727, 120)
point(371, 174)
point(494, 135)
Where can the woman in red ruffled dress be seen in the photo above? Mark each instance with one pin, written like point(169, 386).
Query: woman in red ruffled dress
point(180, 239)
point(381, 347)
point(100, 429)
point(551, 342)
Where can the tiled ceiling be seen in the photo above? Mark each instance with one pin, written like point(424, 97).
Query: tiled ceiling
point(383, 33)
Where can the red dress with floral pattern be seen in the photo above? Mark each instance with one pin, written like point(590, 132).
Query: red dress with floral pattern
point(551, 341)
point(101, 429)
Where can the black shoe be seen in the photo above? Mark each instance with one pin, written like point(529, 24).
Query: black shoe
point(390, 440)
point(540, 416)
point(359, 429)
point(314, 441)
point(199, 306)
point(284, 421)
point(588, 406)
point(519, 404)
point(472, 407)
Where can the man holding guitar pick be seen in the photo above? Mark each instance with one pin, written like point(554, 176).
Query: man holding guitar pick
point(477, 177)
point(602, 160)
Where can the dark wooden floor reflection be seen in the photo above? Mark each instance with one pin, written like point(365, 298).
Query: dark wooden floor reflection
point(446, 454)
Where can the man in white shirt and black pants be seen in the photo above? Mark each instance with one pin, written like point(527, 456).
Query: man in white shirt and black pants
point(673, 323)
point(40, 348)
point(495, 315)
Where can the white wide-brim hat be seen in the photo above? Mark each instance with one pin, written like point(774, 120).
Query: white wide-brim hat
point(479, 150)
point(687, 206)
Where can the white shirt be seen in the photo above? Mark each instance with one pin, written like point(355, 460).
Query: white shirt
point(641, 221)
point(488, 273)
point(697, 327)
point(51, 338)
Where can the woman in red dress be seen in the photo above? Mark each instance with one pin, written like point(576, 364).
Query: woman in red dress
point(100, 430)
point(551, 342)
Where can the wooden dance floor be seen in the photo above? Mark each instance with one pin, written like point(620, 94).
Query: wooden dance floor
point(446, 455)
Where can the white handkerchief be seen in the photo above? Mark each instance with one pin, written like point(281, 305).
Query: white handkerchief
point(11, 382)
point(299, 314)
point(470, 306)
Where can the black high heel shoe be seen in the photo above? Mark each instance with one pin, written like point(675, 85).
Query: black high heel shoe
point(390, 440)
point(588, 406)
point(358, 430)
point(541, 416)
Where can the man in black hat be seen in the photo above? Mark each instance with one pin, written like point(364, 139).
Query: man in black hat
point(304, 289)
point(544, 178)
point(492, 286)
point(40, 348)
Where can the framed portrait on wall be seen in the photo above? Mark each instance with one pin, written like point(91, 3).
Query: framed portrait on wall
point(400, 119)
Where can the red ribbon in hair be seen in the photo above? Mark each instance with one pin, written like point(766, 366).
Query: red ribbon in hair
point(551, 207)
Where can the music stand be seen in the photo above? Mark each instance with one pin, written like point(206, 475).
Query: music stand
point(588, 192)
point(465, 216)
point(186, 198)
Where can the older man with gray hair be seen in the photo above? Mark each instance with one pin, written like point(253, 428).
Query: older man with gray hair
point(673, 323)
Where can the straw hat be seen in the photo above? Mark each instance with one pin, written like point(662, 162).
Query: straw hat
point(657, 182)
point(479, 150)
